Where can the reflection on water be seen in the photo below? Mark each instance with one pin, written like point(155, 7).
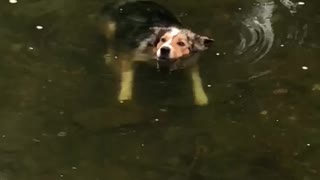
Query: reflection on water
point(60, 118)
point(292, 6)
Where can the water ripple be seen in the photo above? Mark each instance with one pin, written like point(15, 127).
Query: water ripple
point(257, 34)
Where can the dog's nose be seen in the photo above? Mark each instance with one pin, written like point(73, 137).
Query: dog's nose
point(165, 51)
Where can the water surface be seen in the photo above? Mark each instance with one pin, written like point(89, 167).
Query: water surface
point(59, 117)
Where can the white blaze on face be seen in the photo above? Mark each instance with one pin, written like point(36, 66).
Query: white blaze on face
point(172, 33)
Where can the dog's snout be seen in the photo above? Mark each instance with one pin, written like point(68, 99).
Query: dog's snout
point(165, 51)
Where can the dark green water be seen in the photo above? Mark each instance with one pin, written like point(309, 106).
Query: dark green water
point(59, 117)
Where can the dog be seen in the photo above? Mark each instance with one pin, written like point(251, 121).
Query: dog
point(144, 31)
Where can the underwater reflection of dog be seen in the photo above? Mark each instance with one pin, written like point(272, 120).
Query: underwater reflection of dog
point(145, 31)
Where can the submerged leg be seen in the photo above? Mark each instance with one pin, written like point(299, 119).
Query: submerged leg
point(126, 84)
point(109, 29)
point(200, 97)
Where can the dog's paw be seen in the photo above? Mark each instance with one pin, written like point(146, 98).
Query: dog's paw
point(201, 99)
point(124, 96)
point(107, 58)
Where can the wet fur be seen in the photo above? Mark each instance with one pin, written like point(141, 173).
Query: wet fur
point(132, 31)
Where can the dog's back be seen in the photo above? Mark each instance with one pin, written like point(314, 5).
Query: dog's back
point(129, 22)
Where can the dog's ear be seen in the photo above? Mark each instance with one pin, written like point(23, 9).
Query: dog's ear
point(158, 32)
point(202, 43)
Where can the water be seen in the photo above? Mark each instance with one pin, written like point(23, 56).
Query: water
point(60, 118)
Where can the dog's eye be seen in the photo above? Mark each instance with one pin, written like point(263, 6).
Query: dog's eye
point(163, 40)
point(181, 44)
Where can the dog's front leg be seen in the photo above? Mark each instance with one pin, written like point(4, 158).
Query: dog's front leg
point(127, 76)
point(200, 97)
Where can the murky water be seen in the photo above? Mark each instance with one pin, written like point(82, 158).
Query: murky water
point(59, 117)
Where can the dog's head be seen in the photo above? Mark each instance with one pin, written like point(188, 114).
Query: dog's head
point(174, 46)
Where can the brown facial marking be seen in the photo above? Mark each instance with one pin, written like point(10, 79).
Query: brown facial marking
point(180, 45)
point(162, 40)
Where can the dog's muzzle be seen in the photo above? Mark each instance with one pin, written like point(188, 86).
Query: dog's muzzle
point(164, 54)
point(165, 51)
